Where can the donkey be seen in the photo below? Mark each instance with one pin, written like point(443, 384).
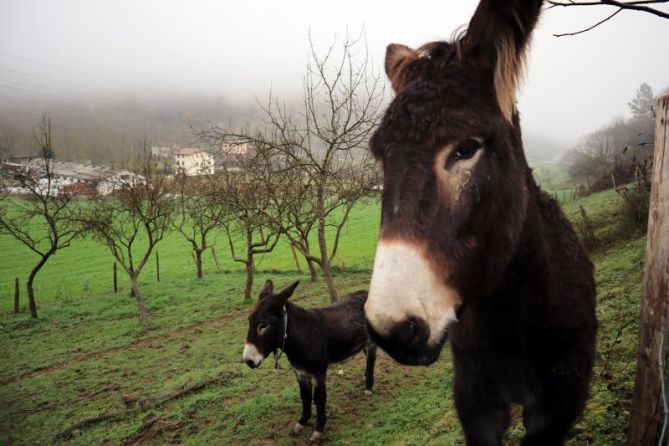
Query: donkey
point(470, 248)
point(312, 340)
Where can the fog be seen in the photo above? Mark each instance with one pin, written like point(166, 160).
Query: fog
point(231, 52)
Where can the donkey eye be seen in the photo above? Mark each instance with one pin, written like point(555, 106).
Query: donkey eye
point(262, 328)
point(466, 149)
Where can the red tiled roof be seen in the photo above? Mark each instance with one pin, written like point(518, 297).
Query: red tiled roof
point(188, 151)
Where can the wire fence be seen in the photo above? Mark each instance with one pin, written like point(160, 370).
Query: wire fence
point(664, 379)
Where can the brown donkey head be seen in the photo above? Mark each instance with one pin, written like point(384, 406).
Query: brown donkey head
point(267, 324)
point(455, 178)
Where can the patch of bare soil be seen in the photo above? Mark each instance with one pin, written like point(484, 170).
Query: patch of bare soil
point(152, 427)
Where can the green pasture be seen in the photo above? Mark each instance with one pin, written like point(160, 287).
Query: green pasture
point(86, 267)
point(86, 354)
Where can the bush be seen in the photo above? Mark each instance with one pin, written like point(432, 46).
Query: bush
point(635, 196)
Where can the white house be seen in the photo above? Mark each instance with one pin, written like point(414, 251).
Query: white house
point(66, 176)
point(115, 180)
point(192, 161)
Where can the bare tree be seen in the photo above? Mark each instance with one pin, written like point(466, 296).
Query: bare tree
point(199, 209)
point(42, 220)
point(324, 142)
point(648, 6)
point(249, 204)
point(132, 220)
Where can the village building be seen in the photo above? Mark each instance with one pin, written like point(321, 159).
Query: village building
point(192, 161)
point(67, 177)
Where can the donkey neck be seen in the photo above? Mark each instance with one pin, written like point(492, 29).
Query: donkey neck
point(300, 322)
point(528, 264)
point(306, 344)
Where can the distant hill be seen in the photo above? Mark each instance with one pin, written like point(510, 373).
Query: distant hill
point(540, 149)
point(102, 132)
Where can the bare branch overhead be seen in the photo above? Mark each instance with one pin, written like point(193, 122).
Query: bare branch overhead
point(641, 6)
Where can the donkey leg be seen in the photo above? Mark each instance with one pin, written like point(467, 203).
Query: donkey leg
point(306, 391)
point(483, 414)
point(370, 351)
point(320, 396)
point(549, 420)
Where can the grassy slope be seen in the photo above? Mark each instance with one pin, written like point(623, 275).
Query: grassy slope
point(87, 342)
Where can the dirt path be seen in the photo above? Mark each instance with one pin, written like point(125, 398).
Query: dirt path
point(138, 343)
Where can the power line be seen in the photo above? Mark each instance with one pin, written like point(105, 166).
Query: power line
point(98, 97)
point(94, 76)
point(75, 106)
point(35, 86)
point(107, 101)
point(38, 93)
point(74, 84)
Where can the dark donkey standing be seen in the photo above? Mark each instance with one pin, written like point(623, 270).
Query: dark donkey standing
point(470, 245)
point(312, 340)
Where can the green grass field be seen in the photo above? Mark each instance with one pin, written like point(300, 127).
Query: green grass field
point(86, 353)
point(85, 268)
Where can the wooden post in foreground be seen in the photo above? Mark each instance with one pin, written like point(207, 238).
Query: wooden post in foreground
point(647, 404)
point(17, 291)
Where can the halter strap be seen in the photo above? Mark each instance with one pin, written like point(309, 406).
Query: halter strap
point(277, 356)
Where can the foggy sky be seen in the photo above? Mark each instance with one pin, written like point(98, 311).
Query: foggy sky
point(239, 49)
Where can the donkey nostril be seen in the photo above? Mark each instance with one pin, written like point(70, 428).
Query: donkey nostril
point(412, 333)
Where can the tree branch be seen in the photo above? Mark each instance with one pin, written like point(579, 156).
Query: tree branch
point(631, 5)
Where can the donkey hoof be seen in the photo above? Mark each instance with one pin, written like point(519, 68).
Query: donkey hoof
point(368, 392)
point(298, 429)
point(316, 437)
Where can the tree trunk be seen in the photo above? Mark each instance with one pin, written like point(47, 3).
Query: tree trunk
point(249, 280)
point(141, 309)
point(218, 265)
point(312, 270)
point(31, 293)
point(646, 406)
point(297, 261)
point(198, 262)
point(325, 260)
point(329, 280)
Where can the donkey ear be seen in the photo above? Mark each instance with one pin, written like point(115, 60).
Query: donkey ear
point(396, 57)
point(267, 290)
point(284, 294)
point(497, 39)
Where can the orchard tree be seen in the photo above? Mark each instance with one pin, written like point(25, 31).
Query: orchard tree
point(132, 220)
point(200, 208)
point(250, 231)
point(42, 219)
point(324, 142)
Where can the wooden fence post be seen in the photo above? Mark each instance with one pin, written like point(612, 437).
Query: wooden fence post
point(647, 404)
point(157, 267)
point(17, 289)
point(115, 279)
